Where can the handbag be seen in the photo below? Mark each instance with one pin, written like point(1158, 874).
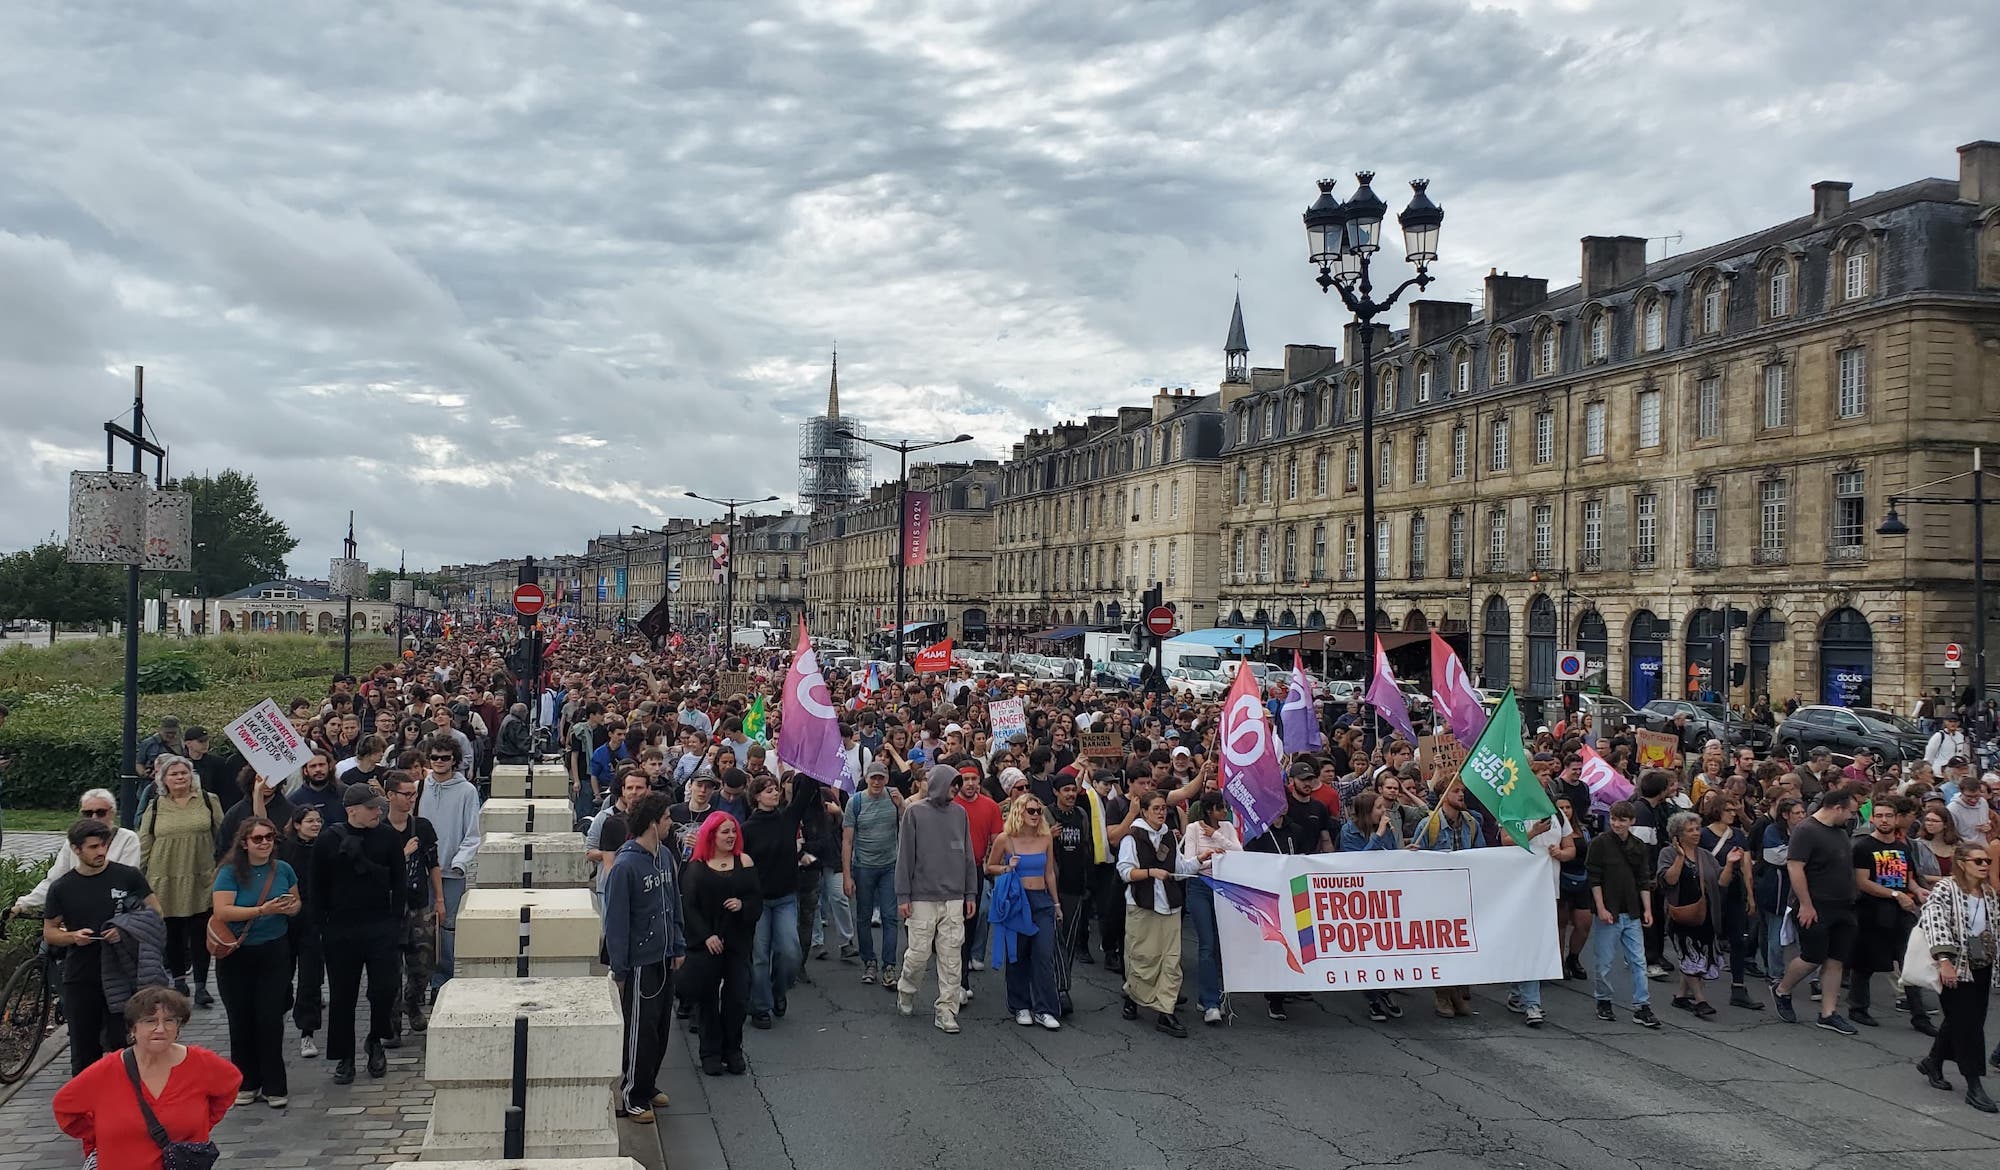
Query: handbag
point(1688, 914)
point(232, 932)
point(173, 1155)
point(1919, 968)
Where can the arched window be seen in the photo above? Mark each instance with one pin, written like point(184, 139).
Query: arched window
point(1354, 399)
point(1854, 277)
point(1711, 304)
point(1545, 350)
point(1502, 371)
point(1425, 371)
point(1292, 477)
point(1652, 325)
point(1496, 656)
point(1599, 344)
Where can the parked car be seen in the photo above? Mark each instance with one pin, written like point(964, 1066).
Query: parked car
point(1706, 721)
point(1201, 684)
point(1842, 729)
point(1609, 714)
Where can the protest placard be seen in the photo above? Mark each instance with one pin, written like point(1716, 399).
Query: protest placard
point(1010, 718)
point(1100, 745)
point(733, 682)
point(1658, 749)
point(268, 742)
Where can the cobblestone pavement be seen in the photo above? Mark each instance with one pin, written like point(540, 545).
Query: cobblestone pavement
point(366, 1123)
point(31, 846)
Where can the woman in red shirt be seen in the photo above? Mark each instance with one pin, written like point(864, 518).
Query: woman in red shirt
point(188, 1088)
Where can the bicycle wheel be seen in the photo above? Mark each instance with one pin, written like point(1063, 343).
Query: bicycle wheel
point(24, 1017)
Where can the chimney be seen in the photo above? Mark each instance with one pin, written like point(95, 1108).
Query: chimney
point(1303, 361)
point(1163, 403)
point(1611, 262)
point(1979, 173)
point(1351, 335)
point(1830, 199)
point(1430, 320)
point(1508, 296)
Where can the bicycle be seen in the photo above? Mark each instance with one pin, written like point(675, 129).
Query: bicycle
point(30, 1008)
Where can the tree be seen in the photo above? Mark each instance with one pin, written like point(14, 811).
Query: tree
point(40, 583)
point(236, 542)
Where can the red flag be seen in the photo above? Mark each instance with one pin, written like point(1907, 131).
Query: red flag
point(934, 658)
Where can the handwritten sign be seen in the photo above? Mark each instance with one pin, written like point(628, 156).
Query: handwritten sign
point(733, 682)
point(268, 742)
point(1100, 745)
point(1445, 752)
point(1658, 749)
point(1009, 720)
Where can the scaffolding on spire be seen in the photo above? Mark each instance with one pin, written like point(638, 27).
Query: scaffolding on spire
point(833, 462)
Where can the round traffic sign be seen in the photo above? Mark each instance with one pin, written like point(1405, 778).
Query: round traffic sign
point(529, 599)
point(1951, 652)
point(1569, 665)
point(1159, 621)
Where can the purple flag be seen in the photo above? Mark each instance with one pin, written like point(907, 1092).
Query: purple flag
point(1387, 698)
point(1252, 781)
point(1298, 718)
point(809, 736)
point(1454, 695)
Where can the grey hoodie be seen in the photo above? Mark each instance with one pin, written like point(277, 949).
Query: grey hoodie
point(452, 808)
point(934, 861)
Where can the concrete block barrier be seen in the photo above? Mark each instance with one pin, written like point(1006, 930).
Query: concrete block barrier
point(561, 927)
point(552, 860)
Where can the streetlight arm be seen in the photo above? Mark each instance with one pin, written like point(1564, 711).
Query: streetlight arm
point(1366, 307)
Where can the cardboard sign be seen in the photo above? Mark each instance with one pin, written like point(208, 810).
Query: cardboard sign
point(1010, 718)
point(1658, 749)
point(604, 636)
point(733, 682)
point(1101, 745)
point(1443, 750)
point(268, 742)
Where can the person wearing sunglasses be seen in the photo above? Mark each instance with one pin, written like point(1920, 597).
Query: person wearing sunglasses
point(451, 804)
point(1961, 921)
point(256, 895)
point(1024, 853)
point(99, 805)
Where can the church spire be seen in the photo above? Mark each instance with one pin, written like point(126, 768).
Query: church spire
point(1236, 350)
point(833, 388)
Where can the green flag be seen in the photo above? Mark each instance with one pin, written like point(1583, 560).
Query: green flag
point(753, 722)
point(1498, 772)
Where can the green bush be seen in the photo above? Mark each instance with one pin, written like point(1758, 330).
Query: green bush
point(18, 942)
point(168, 674)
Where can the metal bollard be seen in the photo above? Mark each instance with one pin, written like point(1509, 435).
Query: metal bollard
point(521, 951)
point(514, 1130)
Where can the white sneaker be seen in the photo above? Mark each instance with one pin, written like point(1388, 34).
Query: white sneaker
point(906, 1002)
point(308, 1048)
point(977, 964)
point(964, 995)
point(1048, 1021)
point(278, 1102)
point(1535, 1017)
point(1024, 1017)
point(1212, 1016)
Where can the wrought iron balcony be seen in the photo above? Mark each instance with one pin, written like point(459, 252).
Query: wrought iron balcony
point(1705, 558)
point(1762, 555)
point(1645, 557)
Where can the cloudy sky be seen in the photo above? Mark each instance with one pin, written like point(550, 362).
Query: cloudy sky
point(500, 274)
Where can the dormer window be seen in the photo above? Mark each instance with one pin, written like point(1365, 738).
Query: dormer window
point(1545, 350)
point(1502, 359)
point(1711, 308)
point(1600, 336)
point(1653, 326)
point(1778, 291)
point(1854, 274)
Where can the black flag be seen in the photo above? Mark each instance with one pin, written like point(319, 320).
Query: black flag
point(654, 624)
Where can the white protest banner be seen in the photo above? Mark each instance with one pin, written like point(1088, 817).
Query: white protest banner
point(1009, 718)
point(268, 742)
point(1367, 921)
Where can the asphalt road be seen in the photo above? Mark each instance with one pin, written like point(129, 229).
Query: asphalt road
point(845, 1081)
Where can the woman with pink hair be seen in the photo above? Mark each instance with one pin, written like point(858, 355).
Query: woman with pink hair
point(721, 902)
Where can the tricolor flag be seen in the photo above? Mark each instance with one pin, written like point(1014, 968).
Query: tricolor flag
point(1606, 786)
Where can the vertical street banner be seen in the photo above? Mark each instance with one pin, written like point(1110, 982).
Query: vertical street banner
point(1371, 921)
point(916, 527)
point(620, 577)
point(1253, 782)
point(718, 556)
point(602, 589)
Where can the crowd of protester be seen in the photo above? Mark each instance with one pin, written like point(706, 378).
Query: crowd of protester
point(724, 879)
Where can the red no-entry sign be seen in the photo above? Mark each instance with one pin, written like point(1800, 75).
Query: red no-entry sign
point(1159, 621)
point(529, 599)
point(1951, 653)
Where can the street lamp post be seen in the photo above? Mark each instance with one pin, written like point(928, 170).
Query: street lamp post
point(1343, 240)
point(902, 448)
point(730, 505)
point(1892, 525)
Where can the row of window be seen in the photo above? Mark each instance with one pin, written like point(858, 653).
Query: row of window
point(1774, 407)
point(1073, 569)
point(1250, 555)
point(1077, 514)
point(1853, 262)
point(1133, 453)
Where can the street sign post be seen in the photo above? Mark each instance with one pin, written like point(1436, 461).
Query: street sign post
point(529, 599)
point(1159, 621)
point(1570, 665)
point(1951, 655)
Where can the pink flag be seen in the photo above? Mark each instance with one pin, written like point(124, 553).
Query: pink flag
point(1387, 698)
point(1607, 787)
point(1298, 717)
point(809, 734)
point(1253, 782)
point(1454, 694)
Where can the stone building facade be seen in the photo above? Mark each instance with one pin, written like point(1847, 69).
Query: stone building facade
point(1091, 514)
point(851, 591)
point(1615, 466)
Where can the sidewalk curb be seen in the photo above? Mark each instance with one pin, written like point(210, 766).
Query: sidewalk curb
point(54, 1046)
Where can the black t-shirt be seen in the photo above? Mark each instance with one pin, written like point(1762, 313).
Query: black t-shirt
point(1888, 863)
point(417, 866)
point(687, 822)
point(89, 902)
point(1827, 853)
point(1305, 820)
point(1072, 832)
